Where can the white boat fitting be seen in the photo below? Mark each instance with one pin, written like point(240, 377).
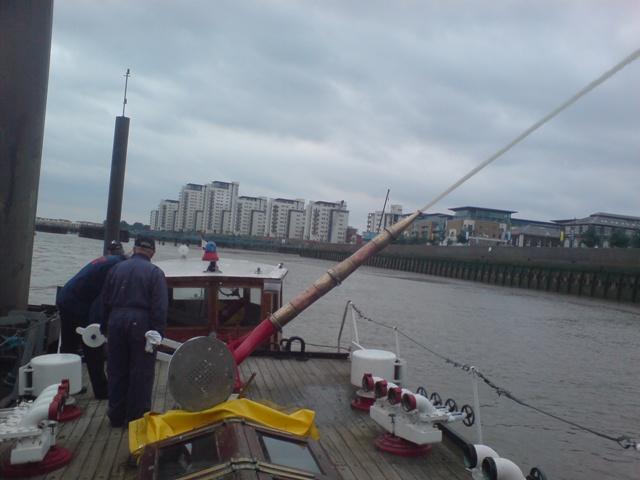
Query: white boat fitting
point(45, 370)
point(32, 424)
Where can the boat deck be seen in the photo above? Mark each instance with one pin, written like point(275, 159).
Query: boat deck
point(101, 452)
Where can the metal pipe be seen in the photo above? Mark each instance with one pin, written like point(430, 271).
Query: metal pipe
point(24, 75)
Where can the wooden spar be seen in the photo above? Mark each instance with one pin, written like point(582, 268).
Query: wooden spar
point(340, 272)
point(332, 278)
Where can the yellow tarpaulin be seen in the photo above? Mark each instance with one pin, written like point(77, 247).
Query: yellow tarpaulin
point(154, 427)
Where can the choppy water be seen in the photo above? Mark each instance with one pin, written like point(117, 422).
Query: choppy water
point(577, 358)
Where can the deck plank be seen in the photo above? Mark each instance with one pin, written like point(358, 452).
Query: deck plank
point(322, 385)
point(85, 447)
point(348, 429)
point(75, 438)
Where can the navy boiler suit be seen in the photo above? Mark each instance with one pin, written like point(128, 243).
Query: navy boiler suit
point(79, 304)
point(135, 301)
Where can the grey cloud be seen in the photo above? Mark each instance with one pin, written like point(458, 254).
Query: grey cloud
point(345, 97)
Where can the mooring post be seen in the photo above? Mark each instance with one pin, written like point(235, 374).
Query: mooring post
point(25, 47)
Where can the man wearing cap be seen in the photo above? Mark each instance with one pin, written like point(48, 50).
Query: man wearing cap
point(135, 301)
point(79, 305)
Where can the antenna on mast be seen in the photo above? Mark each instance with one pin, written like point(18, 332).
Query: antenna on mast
point(383, 209)
point(126, 82)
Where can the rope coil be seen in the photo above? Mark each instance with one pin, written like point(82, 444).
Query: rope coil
point(624, 441)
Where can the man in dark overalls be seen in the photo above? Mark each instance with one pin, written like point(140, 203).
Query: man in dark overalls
point(135, 301)
point(79, 304)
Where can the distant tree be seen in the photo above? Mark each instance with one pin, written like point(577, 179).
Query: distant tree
point(590, 238)
point(619, 239)
point(462, 238)
point(635, 240)
point(139, 226)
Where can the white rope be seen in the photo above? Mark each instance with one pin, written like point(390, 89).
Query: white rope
point(601, 79)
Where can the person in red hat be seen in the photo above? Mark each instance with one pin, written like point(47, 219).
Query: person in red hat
point(210, 255)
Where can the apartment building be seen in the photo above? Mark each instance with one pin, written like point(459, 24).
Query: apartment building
point(535, 233)
point(251, 216)
point(153, 220)
point(326, 221)
point(429, 227)
point(601, 226)
point(167, 212)
point(220, 204)
point(382, 220)
point(479, 225)
point(285, 218)
point(191, 201)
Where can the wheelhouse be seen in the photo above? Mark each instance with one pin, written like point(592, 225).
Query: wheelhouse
point(228, 303)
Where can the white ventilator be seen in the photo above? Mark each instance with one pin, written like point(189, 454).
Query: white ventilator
point(31, 426)
point(45, 370)
point(417, 421)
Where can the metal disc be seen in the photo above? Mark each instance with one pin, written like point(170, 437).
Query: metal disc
point(201, 373)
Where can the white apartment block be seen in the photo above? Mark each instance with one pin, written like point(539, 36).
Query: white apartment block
point(326, 222)
point(251, 216)
point(388, 218)
point(199, 217)
point(220, 204)
point(296, 222)
point(191, 201)
point(284, 218)
point(153, 220)
point(167, 211)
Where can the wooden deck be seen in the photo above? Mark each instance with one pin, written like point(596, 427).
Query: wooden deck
point(101, 452)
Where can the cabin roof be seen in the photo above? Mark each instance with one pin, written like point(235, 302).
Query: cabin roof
point(229, 268)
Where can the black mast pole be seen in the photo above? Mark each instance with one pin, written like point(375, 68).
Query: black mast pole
point(25, 48)
point(116, 182)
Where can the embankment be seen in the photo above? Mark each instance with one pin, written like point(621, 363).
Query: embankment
point(612, 274)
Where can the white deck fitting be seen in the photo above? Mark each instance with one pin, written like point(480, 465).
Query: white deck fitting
point(230, 268)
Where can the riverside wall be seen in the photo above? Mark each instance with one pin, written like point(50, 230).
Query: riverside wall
point(612, 274)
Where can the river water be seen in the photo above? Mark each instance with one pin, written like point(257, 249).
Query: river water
point(577, 358)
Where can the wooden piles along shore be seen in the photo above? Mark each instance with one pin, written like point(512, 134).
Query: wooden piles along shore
point(598, 281)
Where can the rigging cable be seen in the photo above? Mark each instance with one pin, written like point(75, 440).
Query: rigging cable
point(623, 440)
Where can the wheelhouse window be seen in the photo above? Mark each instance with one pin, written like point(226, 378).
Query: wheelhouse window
point(188, 457)
point(188, 307)
point(239, 307)
point(289, 453)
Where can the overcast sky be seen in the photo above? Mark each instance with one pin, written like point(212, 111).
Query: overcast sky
point(339, 100)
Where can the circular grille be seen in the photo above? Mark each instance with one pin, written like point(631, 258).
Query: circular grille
point(201, 373)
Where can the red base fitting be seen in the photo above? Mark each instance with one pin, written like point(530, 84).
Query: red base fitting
point(70, 412)
point(399, 446)
point(56, 457)
point(362, 403)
